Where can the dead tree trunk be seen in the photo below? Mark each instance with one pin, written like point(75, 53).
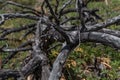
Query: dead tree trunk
point(48, 29)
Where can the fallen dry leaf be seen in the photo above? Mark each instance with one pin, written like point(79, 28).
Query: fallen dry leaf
point(79, 49)
point(107, 65)
point(62, 78)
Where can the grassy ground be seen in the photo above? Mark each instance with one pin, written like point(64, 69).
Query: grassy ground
point(82, 57)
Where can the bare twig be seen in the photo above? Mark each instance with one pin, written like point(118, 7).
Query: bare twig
point(17, 49)
point(52, 12)
point(5, 74)
point(56, 7)
point(2, 19)
point(18, 15)
point(105, 24)
point(64, 6)
point(13, 30)
point(12, 54)
point(20, 5)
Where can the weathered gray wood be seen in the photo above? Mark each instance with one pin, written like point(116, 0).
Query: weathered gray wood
point(103, 38)
point(105, 24)
point(6, 73)
point(49, 29)
point(111, 32)
point(59, 62)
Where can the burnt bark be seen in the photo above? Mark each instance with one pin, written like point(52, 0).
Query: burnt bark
point(49, 29)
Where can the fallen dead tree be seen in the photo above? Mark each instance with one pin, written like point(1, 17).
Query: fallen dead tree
point(50, 28)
